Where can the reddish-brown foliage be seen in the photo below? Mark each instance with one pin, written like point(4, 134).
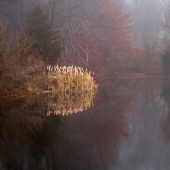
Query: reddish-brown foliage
point(108, 41)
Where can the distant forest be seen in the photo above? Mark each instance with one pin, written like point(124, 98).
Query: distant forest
point(110, 37)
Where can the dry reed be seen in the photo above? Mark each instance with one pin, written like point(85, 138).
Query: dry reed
point(70, 79)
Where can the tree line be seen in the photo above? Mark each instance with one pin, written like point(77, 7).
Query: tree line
point(108, 36)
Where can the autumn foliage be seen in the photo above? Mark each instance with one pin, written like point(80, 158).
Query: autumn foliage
point(107, 41)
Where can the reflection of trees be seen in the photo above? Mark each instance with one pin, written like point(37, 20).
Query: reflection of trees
point(165, 94)
point(60, 103)
point(90, 136)
point(23, 136)
point(36, 105)
point(145, 147)
point(29, 127)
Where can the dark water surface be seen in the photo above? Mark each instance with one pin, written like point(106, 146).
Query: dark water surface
point(128, 128)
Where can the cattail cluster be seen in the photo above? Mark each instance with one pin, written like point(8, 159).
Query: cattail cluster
point(77, 71)
point(70, 78)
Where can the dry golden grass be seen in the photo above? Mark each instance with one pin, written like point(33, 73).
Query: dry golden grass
point(70, 79)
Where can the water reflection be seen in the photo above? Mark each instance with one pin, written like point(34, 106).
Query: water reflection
point(65, 104)
point(126, 129)
point(92, 136)
point(145, 148)
point(58, 104)
point(24, 139)
point(165, 95)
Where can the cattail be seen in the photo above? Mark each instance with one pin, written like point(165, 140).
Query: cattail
point(69, 78)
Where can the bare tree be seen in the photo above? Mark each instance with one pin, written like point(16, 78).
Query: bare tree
point(146, 17)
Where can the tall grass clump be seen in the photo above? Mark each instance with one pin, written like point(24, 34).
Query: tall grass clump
point(70, 79)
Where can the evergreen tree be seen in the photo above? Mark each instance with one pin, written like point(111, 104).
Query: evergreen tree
point(48, 39)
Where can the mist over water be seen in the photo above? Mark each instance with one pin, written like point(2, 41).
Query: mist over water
point(127, 128)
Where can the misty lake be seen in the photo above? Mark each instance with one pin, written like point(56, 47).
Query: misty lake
point(125, 127)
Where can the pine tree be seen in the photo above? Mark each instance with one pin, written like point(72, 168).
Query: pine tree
point(48, 39)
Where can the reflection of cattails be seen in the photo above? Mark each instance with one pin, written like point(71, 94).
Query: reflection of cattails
point(68, 104)
point(58, 103)
point(70, 79)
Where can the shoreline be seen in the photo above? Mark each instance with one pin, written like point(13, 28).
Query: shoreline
point(17, 92)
